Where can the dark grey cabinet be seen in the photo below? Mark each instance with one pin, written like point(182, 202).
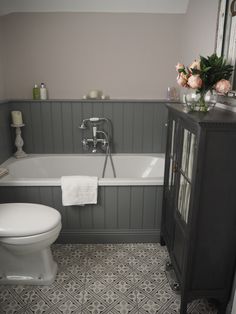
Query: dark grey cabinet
point(199, 203)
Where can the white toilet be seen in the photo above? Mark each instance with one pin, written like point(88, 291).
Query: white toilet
point(26, 233)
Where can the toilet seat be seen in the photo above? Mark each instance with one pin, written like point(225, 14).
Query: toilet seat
point(31, 239)
point(26, 219)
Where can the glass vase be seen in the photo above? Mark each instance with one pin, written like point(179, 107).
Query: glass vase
point(201, 102)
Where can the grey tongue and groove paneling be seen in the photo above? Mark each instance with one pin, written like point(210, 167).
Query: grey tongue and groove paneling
point(123, 214)
point(52, 126)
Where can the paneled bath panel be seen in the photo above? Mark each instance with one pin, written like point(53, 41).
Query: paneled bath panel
point(123, 213)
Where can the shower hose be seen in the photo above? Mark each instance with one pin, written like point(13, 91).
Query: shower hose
point(108, 150)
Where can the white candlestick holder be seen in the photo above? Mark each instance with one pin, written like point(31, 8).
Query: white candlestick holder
point(19, 141)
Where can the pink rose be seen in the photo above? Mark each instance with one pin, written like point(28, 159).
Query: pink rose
point(179, 66)
point(195, 81)
point(223, 86)
point(195, 65)
point(182, 80)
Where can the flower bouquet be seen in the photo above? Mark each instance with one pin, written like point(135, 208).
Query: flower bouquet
point(205, 76)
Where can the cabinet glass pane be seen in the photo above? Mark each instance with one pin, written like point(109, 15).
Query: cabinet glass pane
point(184, 198)
point(170, 174)
point(188, 153)
point(185, 150)
point(172, 138)
point(191, 156)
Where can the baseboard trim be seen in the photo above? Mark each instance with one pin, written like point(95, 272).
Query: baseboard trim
point(109, 236)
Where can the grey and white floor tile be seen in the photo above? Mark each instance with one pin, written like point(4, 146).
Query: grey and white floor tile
point(102, 278)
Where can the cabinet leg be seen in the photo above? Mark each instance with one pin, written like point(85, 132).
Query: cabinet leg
point(175, 287)
point(169, 266)
point(222, 307)
point(183, 305)
point(162, 241)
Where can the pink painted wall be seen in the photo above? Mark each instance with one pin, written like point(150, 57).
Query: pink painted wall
point(127, 55)
point(199, 29)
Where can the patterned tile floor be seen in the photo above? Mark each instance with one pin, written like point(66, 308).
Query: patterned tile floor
point(108, 278)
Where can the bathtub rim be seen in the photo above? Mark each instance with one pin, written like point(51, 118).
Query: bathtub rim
point(4, 181)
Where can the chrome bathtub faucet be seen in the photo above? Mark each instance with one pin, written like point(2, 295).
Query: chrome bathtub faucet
point(100, 139)
point(95, 141)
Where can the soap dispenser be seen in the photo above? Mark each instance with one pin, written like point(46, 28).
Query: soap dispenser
point(43, 91)
point(36, 92)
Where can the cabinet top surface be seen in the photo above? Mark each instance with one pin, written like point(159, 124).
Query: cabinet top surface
point(216, 115)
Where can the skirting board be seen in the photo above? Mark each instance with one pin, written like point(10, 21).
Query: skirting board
point(109, 236)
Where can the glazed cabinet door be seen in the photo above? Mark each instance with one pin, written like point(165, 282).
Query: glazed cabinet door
point(184, 175)
point(169, 182)
point(188, 148)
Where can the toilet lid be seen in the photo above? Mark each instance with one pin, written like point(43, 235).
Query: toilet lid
point(25, 219)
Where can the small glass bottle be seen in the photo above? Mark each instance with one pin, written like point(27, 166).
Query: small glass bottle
point(36, 92)
point(43, 92)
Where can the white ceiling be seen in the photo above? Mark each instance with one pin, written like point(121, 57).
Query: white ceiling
point(135, 6)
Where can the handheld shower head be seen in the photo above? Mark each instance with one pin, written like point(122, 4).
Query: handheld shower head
point(94, 121)
point(85, 122)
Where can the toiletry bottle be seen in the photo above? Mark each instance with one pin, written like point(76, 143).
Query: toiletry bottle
point(36, 92)
point(43, 92)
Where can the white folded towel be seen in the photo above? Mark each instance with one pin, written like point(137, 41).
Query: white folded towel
point(79, 190)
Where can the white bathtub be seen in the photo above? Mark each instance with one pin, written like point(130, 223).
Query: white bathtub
point(46, 170)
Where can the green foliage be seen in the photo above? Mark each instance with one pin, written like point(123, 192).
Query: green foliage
point(213, 69)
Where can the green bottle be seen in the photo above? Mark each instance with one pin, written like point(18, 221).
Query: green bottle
point(36, 92)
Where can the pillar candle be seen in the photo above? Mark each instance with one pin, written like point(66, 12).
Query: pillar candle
point(16, 117)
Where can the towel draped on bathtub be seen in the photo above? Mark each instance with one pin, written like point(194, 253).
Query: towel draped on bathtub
point(79, 190)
